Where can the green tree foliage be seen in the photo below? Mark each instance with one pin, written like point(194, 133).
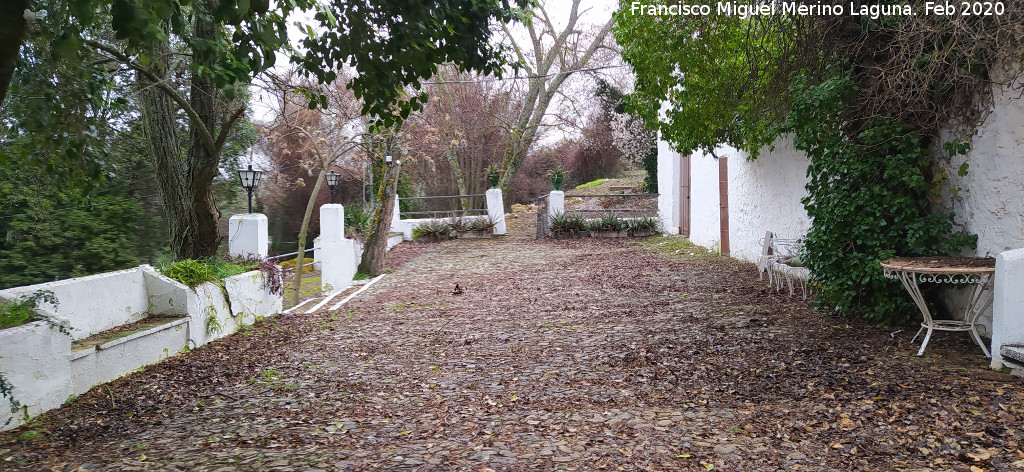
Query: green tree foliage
point(48, 231)
point(722, 78)
point(868, 201)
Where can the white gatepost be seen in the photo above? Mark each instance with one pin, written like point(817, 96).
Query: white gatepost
point(247, 235)
point(556, 203)
point(1007, 304)
point(337, 254)
point(496, 210)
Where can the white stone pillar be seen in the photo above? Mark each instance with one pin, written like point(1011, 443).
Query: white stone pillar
point(396, 219)
point(247, 235)
point(332, 221)
point(318, 253)
point(556, 203)
point(1007, 303)
point(496, 209)
point(337, 265)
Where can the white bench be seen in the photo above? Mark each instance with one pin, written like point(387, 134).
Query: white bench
point(775, 254)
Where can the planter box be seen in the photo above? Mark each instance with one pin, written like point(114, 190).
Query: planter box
point(430, 239)
point(474, 235)
point(643, 234)
point(610, 234)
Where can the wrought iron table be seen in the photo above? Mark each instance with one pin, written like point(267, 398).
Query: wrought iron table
point(975, 271)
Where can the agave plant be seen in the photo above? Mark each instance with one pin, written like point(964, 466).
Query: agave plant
point(643, 226)
point(432, 230)
point(612, 223)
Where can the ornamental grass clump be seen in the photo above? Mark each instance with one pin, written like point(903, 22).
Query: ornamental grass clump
point(193, 272)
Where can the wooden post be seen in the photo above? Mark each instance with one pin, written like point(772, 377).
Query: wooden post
point(723, 198)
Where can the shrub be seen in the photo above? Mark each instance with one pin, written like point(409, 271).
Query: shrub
point(644, 224)
point(358, 218)
point(481, 225)
point(567, 223)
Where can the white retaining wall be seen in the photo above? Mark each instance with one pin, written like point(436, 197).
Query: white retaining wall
point(94, 303)
point(38, 361)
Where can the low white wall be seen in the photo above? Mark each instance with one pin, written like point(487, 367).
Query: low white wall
point(37, 360)
point(93, 303)
point(34, 360)
point(108, 361)
point(1008, 303)
point(249, 301)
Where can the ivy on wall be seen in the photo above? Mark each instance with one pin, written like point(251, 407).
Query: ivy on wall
point(868, 201)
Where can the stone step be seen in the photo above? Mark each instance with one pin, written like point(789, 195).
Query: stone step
point(1013, 352)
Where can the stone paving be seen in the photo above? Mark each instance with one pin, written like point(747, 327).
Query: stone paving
point(556, 355)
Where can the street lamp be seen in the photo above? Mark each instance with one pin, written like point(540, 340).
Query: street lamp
point(332, 182)
point(250, 180)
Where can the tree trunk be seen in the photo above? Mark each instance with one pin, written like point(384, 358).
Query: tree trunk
point(161, 129)
point(377, 240)
point(453, 160)
point(12, 31)
point(201, 238)
point(301, 256)
point(186, 181)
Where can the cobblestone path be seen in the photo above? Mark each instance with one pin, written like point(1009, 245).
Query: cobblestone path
point(556, 355)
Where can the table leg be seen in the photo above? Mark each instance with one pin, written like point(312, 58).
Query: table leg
point(982, 297)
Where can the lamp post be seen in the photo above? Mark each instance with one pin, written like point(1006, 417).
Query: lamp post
point(332, 182)
point(250, 180)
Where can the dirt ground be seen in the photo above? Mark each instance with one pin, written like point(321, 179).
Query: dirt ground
point(600, 354)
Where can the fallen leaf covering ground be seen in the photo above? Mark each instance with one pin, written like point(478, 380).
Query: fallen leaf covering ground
point(600, 354)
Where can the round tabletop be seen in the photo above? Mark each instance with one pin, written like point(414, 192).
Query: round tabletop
point(942, 265)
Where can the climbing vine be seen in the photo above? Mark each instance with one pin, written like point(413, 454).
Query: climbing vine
point(868, 201)
point(864, 97)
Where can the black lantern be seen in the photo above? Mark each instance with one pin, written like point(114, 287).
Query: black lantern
point(332, 182)
point(250, 180)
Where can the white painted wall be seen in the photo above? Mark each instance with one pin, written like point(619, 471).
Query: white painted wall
point(764, 195)
point(705, 229)
point(93, 303)
point(991, 200)
point(34, 359)
point(496, 209)
point(108, 361)
point(1008, 303)
point(668, 188)
point(249, 301)
point(247, 235)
